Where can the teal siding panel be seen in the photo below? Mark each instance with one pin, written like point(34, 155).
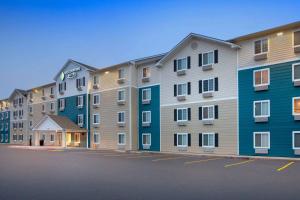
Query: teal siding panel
point(281, 123)
point(5, 133)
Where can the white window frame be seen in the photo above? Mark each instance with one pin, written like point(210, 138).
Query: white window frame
point(52, 138)
point(95, 79)
point(22, 137)
point(293, 71)
point(96, 95)
point(182, 120)
point(124, 139)
point(122, 70)
point(213, 90)
point(148, 70)
point(254, 145)
point(15, 137)
point(80, 101)
point(209, 146)
point(149, 116)
point(186, 64)
point(186, 135)
point(52, 106)
point(145, 90)
point(124, 116)
point(146, 134)
point(97, 134)
point(213, 53)
point(62, 102)
point(293, 111)
point(261, 48)
point(78, 117)
point(121, 100)
point(186, 89)
point(295, 132)
point(261, 101)
point(208, 106)
point(96, 114)
point(298, 30)
point(261, 84)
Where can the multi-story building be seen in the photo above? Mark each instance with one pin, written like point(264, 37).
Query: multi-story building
point(269, 92)
point(4, 121)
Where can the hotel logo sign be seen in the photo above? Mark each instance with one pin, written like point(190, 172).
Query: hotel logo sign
point(70, 74)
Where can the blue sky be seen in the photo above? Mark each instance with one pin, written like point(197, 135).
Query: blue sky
point(38, 36)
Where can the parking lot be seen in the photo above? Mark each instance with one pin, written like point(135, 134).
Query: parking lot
point(85, 174)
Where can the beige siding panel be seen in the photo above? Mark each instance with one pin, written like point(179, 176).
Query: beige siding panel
point(154, 75)
point(225, 126)
point(134, 118)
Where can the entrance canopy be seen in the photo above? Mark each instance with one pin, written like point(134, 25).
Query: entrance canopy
point(58, 124)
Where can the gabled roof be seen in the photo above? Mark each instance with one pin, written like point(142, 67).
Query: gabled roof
point(64, 123)
point(194, 36)
point(18, 91)
point(87, 67)
point(266, 32)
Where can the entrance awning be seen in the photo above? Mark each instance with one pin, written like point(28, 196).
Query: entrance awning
point(58, 124)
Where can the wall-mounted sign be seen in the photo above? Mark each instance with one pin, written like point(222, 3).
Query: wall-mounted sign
point(70, 74)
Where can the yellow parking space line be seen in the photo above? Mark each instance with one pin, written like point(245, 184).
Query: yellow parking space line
point(200, 161)
point(167, 158)
point(136, 157)
point(239, 163)
point(285, 166)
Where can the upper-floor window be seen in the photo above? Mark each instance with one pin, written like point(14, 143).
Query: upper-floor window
point(52, 106)
point(297, 38)
point(146, 72)
point(181, 64)
point(80, 120)
point(146, 94)
point(80, 82)
point(96, 79)
point(43, 92)
point(121, 117)
point(79, 101)
point(61, 104)
point(296, 72)
point(121, 73)
point(208, 85)
point(30, 95)
point(261, 108)
point(208, 112)
point(96, 99)
point(62, 87)
point(208, 58)
point(121, 95)
point(182, 89)
point(146, 116)
point(43, 108)
point(96, 118)
point(296, 106)
point(262, 77)
point(182, 114)
point(261, 46)
point(51, 91)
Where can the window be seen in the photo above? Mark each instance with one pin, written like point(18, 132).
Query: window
point(52, 91)
point(80, 101)
point(43, 92)
point(146, 137)
point(297, 38)
point(296, 72)
point(96, 80)
point(208, 112)
point(1, 138)
point(121, 95)
point(261, 77)
point(182, 89)
point(146, 116)
point(62, 86)
point(30, 124)
point(121, 73)
point(96, 138)
point(146, 94)
point(30, 95)
point(20, 137)
point(181, 64)
point(208, 85)
point(61, 104)
point(182, 139)
point(208, 58)
point(296, 139)
point(52, 106)
point(146, 72)
point(261, 46)
point(6, 137)
point(80, 82)
point(7, 115)
point(30, 109)
point(261, 108)
point(262, 140)
point(96, 99)
point(182, 114)
point(96, 118)
point(15, 137)
point(296, 106)
point(80, 120)
point(51, 137)
point(77, 137)
point(121, 138)
point(121, 117)
point(43, 108)
point(208, 140)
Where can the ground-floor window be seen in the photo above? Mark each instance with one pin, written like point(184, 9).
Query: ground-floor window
point(121, 138)
point(52, 138)
point(146, 138)
point(77, 137)
point(15, 137)
point(262, 140)
point(1, 138)
point(208, 140)
point(296, 139)
point(21, 137)
point(182, 139)
point(96, 138)
point(6, 138)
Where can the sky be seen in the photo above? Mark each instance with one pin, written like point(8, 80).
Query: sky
point(37, 37)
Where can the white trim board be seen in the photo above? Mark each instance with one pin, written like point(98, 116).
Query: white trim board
point(204, 101)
